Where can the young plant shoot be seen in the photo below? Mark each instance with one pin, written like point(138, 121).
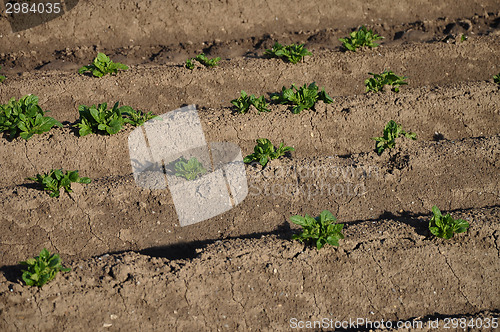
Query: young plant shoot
point(302, 98)
point(202, 59)
point(25, 118)
point(445, 226)
point(102, 65)
point(264, 151)
point(378, 81)
point(361, 38)
point(243, 103)
point(320, 230)
point(291, 53)
point(190, 170)
point(392, 130)
point(56, 179)
point(42, 269)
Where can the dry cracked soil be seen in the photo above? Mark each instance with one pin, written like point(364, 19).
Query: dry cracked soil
point(134, 268)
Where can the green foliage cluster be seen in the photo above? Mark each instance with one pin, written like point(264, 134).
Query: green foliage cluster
point(361, 38)
point(53, 181)
point(190, 170)
point(203, 59)
point(265, 151)
point(100, 119)
point(102, 65)
point(445, 226)
point(320, 230)
point(243, 103)
point(301, 98)
point(25, 118)
point(378, 81)
point(136, 117)
point(42, 269)
point(496, 78)
point(392, 130)
point(291, 53)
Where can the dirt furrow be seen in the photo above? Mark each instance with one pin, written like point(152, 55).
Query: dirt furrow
point(432, 113)
point(117, 23)
point(164, 88)
point(271, 283)
point(405, 182)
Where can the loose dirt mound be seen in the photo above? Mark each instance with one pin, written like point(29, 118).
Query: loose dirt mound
point(134, 267)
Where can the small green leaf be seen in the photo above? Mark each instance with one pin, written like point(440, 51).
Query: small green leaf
point(360, 38)
point(291, 53)
point(56, 179)
point(264, 152)
point(102, 65)
point(392, 131)
point(445, 226)
point(42, 268)
point(319, 230)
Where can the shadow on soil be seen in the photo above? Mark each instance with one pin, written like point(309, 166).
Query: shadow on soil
point(188, 250)
point(12, 272)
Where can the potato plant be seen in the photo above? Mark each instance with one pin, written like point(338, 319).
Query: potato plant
point(496, 78)
point(25, 118)
point(392, 130)
point(57, 179)
point(291, 53)
point(101, 120)
point(190, 170)
point(360, 38)
point(265, 151)
point(378, 81)
point(202, 59)
point(102, 65)
point(301, 98)
point(320, 230)
point(42, 269)
point(445, 226)
point(243, 103)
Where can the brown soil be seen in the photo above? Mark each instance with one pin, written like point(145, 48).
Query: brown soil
point(135, 268)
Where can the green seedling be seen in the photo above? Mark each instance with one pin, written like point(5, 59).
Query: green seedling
point(378, 81)
point(445, 226)
point(320, 230)
point(25, 118)
point(496, 78)
point(203, 59)
point(392, 130)
point(53, 181)
point(189, 64)
point(136, 117)
point(291, 53)
point(264, 151)
point(361, 38)
point(42, 269)
point(190, 170)
point(243, 103)
point(302, 98)
point(2, 78)
point(102, 65)
point(99, 119)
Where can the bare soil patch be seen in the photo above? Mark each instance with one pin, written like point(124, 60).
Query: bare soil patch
point(134, 267)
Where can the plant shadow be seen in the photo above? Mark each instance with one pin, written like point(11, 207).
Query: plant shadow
point(190, 250)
